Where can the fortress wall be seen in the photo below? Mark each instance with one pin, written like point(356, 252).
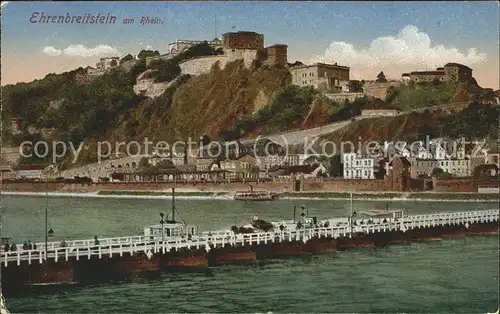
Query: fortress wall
point(202, 65)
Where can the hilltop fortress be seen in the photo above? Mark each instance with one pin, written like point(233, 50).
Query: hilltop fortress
point(331, 79)
point(450, 71)
point(242, 45)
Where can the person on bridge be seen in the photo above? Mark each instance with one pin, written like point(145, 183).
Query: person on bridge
point(96, 241)
point(25, 245)
point(30, 246)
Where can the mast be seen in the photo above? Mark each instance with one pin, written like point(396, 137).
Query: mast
point(350, 212)
point(350, 205)
point(46, 214)
point(173, 204)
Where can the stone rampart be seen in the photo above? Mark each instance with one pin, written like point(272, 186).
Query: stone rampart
point(202, 65)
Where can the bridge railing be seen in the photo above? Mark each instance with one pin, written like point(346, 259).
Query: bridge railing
point(132, 244)
point(216, 235)
point(224, 233)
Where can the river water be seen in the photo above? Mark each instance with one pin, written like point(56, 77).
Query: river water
point(450, 276)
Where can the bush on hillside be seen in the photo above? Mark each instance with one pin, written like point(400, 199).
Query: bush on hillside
point(423, 94)
point(137, 69)
point(288, 107)
point(147, 54)
point(477, 121)
point(127, 58)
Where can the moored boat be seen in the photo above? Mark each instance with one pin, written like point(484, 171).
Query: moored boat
point(170, 229)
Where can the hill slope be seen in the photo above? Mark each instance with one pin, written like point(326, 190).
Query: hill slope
point(476, 122)
point(204, 105)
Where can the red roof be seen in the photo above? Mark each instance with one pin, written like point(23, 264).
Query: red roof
point(427, 73)
point(453, 64)
point(32, 167)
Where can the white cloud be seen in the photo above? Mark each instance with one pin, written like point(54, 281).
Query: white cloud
point(410, 50)
point(81, 51)
point(51, 51)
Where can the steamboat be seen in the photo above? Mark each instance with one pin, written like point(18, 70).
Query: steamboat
point(253, 195)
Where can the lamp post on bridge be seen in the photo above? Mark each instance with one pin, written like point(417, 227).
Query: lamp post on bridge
point(46, 214)
point(162, 221)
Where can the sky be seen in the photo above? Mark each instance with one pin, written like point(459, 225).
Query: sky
point(369, 37)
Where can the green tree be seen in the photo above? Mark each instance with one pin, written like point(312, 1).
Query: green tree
point(198, 50)
point(381, 78)
point(440, 173)
point(355, 86)
point(113, 63)
point(336, 166)
point(147, 53)
point(137, 69)
point(474, 122)
point(164, 164)
point(144, 164)
point(127, 58)
point(166, 70)
point(205, 140)
point(436, 82)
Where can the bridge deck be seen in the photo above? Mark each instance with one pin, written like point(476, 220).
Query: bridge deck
point(136, 244)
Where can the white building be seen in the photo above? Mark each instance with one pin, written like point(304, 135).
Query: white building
point(94, 72)
point(180, 45)
point(177, 158)
point(358, 168)
point(108, 63)
point(434, 151)
point(266, 162)
point(30, 171)
point(325, 77)
point(439, 152)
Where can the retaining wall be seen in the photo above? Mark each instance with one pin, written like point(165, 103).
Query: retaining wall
point(462, 185)
point(202, 65)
